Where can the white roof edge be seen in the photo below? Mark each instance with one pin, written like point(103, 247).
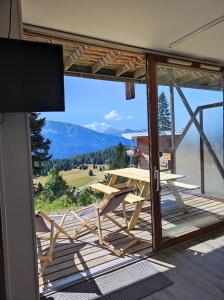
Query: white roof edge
point(135, 135)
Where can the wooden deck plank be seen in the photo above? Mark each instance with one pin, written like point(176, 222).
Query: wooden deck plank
point(87, 253)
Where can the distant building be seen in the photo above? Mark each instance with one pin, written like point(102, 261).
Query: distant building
point(141, 146)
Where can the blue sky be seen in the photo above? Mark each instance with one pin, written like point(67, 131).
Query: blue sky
point(99, 104)
point(90, 101)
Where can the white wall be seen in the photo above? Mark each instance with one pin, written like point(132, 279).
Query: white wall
point(16, 194)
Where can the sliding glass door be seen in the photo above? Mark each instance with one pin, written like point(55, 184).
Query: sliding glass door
point(188, 169)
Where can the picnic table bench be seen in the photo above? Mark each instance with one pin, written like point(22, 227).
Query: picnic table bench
point(107, 190)
point(129, 199)
point(183, 185)
point(141, 178)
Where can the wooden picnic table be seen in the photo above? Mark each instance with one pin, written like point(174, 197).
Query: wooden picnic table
point(141, 179)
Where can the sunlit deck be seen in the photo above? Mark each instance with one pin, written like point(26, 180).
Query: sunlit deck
point(73, 261)
point(85, 257)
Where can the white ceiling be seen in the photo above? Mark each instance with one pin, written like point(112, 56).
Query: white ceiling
point(151, 24)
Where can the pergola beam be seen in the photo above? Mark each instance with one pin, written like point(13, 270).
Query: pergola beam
point(140, 72)
point(75, 55)
point(200, 79)
point(185, 78)
point(105, 60)
point(131, 64)
point(130, 89)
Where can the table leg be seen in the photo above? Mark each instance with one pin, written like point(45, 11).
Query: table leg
point(124, 213)
point(145, 190)
point(177, 196)
point(113, 180)
point(138, 207)
point(135, 216)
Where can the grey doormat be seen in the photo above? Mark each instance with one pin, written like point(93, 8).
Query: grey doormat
point(133, 282)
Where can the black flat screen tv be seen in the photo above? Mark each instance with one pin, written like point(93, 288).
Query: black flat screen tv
point(31, 76)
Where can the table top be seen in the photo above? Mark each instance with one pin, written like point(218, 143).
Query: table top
point(141, 174)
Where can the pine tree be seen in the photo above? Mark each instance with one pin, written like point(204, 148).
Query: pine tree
point(121, 159)
point(55, 186)
point(90, 172)
point(39, 145)
point(163, 113)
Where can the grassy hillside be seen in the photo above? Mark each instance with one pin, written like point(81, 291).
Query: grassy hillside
point(78, 178)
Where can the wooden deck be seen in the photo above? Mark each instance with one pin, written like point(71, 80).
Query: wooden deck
point(84, 257)
point(76, 260)
point(201, 212)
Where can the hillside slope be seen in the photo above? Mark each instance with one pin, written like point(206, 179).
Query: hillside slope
point(70, 139)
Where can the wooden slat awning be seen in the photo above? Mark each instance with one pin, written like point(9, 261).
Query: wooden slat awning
point(93, 61)
point(96, 61)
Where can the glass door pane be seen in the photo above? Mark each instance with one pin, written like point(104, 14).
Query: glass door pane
point(190, 137)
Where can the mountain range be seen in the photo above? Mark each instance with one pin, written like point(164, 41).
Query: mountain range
point(105, 128)
point(68, 140)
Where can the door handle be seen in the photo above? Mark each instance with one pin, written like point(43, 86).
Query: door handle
point(157, 177)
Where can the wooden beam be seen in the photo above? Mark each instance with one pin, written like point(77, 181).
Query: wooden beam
point(102, 76)
point(105, 60)
point(75, 55)
point(140, 72)
point(186, 78)
point(130, 90)
point(200, 79)
point(131, 64)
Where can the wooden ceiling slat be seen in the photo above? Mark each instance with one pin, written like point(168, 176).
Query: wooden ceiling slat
point(96, 61)
point(76, 54)
point(105, 60)
point(130, 65)
point(140, 72)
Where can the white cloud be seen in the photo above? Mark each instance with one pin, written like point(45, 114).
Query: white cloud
point(113, 115)
point(98, 126)
point(129, 117)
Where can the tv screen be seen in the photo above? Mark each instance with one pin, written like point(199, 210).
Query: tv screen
point(31, 76)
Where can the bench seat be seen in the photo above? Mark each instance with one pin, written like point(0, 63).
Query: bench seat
point(132, 199)
point(100, 187)
point(182, 185)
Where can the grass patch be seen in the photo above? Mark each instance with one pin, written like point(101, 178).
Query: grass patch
point(84, 198)
point(80, 198)
point(76, 177)
point(59, 204)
